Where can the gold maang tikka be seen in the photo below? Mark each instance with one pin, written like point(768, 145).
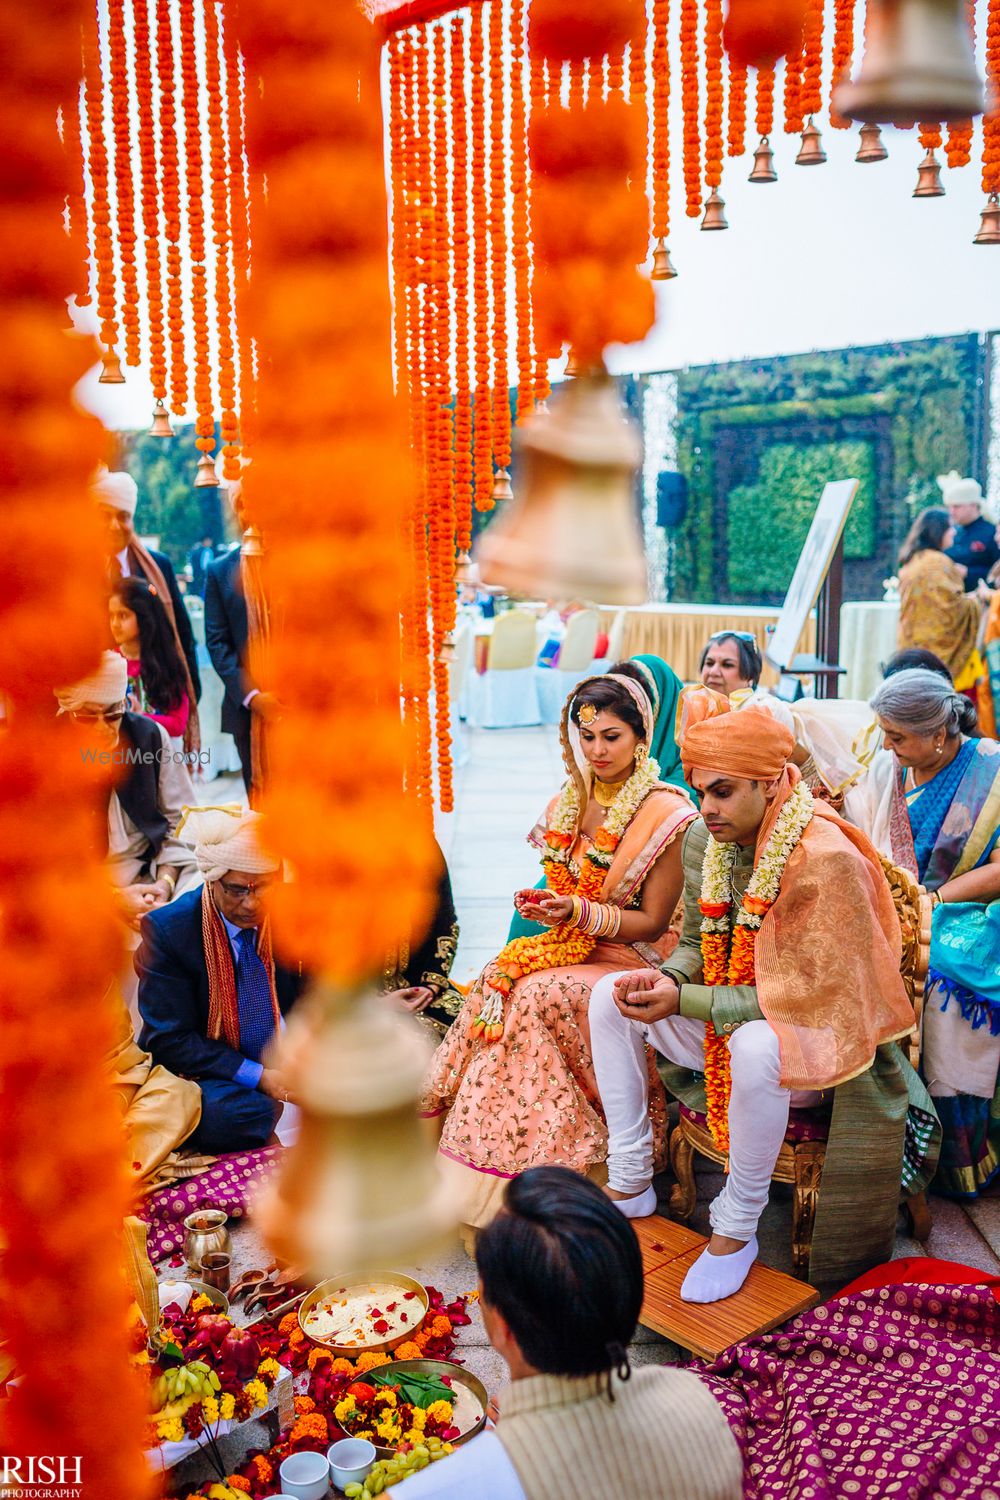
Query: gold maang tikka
point(588, 713)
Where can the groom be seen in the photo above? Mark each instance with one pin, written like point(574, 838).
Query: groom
point(822, 993)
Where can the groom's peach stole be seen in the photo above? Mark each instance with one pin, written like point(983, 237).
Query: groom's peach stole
point(827, 957)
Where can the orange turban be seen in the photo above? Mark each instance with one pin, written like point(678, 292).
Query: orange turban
point(749, 744)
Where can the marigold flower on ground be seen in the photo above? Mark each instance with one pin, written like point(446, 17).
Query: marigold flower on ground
point(289, 1324)
point(409, 1350)
point(304, 1405)
point(371, 1362)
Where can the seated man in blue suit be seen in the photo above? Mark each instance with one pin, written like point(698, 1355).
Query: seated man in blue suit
point(211, 995)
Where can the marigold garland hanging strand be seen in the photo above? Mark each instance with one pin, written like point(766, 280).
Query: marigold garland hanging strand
point(420, 431)
point(737, 110)
point(661, 122)
point(218, 173)
point(481, 272)
point(194, 182)
point(150, 204)
point(170, 188)
point(76, 196)
point(520, 251)
point(398, 124)
point(65, 1190)
point(443, 517)
point(124, 184)
point(713, 95)
point(499, 198)
point(97, 161)
point(330, 431)
point(991, 120)
point(811, 98)
point(794, 121)
point(464, 472)
point(958, 145)
point(764, 118)
point(239, 231)
point(843, 53)
point(689, 99)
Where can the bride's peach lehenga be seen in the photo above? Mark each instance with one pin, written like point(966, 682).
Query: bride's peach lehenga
point(531, 1098)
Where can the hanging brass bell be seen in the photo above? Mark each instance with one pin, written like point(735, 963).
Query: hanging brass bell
point(572, 531)
point(464, 573)
point(663, 266)
point(252, 544)
point(448, 653)
point(501, 486)
point(715, 212)
point(361, 1187)
point(989, 223)
point(206, 477)
point(763, 163)
point(111, 370)
point(872, 147)
point(929, 178)
point(918, 65)
point(573, 366)
point(161, 427)
point(811, 153)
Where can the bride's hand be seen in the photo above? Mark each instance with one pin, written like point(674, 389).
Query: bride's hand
point(551, 909)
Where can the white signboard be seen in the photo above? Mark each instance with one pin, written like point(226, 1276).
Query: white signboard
point(814, 561)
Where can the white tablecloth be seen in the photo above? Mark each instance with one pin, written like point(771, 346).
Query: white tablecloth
point(867, 638)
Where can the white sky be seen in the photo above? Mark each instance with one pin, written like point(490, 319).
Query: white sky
point(826, 257)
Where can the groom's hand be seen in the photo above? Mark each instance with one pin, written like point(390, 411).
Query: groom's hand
point(651, 1001)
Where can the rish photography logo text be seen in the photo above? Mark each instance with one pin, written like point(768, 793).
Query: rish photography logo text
point(45, 1477)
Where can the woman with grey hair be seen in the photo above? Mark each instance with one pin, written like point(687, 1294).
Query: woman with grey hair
point(931, 804)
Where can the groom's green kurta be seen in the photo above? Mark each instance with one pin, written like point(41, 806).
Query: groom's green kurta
point(884, 1133)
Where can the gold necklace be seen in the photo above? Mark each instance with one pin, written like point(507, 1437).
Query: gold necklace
point(605, 792)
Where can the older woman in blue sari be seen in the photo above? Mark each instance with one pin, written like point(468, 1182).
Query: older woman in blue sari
point(931, 803)
point(664, 688)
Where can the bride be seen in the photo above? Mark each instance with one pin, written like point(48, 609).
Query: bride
point(514, 1076)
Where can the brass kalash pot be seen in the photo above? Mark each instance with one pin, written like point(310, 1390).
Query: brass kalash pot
point(572, 528)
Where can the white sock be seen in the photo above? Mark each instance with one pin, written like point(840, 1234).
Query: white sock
point(713, 1277)
point(640, 1206)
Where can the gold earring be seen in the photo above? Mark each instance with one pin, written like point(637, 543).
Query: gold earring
point(939, 749)
point(641, 753)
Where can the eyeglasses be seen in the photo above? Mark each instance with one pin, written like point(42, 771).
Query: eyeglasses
point(87, 716)
point(241, 892)
point(737, 635)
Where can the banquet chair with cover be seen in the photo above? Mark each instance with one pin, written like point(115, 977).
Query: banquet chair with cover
point(800, 1161)
point(576, 656)
point(504, 696)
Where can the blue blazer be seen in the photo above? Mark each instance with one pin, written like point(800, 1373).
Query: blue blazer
point(226, 633)
point(173, 993)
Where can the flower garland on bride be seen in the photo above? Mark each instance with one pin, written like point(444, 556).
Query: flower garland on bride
point(727, 946)
point(565, 945)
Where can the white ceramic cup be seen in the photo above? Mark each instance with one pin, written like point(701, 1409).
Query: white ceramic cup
point(305, 1476)
point(350, 1460)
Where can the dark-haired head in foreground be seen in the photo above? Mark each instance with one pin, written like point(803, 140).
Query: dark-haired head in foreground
point(914, 656)
point(561, 1276)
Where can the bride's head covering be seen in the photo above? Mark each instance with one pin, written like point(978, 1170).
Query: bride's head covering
point(569, 733)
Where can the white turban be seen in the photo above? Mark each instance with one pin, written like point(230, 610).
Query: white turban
point(958, 491)
point(118, 490)
point(107, 686)
point(226, 838)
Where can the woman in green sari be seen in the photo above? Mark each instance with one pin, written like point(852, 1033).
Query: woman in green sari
point(664, 688)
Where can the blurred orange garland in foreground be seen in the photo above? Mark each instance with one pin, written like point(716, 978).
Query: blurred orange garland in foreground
point(328, 489)
point(64, 1187)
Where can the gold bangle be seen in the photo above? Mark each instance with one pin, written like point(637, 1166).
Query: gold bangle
point(576, 913)
point(171, 881)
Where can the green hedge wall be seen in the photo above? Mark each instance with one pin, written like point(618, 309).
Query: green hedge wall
point(914, 410)
point(781, 505)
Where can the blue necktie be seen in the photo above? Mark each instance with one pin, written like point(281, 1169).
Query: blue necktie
point(253, 997)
